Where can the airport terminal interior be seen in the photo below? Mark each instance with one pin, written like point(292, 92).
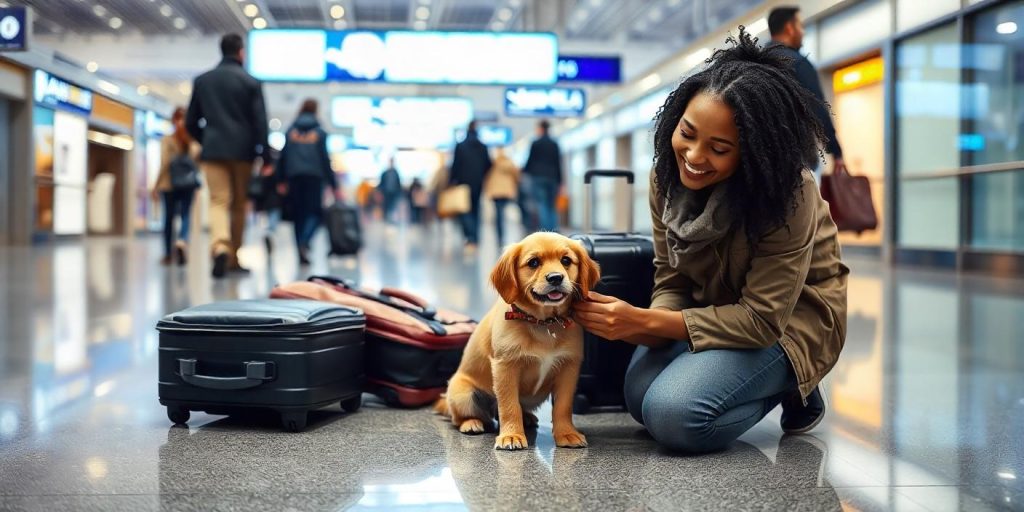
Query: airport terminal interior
point(112, 125)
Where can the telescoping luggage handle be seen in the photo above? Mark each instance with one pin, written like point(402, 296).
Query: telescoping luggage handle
point(256, 373)
point(386, 294)
point(588, 195)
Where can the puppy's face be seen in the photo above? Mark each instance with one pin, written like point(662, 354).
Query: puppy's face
point(545, 269)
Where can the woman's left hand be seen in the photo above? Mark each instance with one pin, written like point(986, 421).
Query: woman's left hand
point(609, 317)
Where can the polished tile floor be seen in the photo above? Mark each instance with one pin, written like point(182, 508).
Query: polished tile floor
point(927, 404)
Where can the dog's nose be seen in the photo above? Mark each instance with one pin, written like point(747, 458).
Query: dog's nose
point(555, 278)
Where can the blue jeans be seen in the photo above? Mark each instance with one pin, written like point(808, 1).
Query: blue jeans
point(545, 193)
point(176, 204)
point(306, 195)
point(701, 402)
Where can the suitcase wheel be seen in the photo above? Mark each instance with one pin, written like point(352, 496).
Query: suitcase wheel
point(178, 415)
point(580, 404)
point(294, 421)
point(352, 404)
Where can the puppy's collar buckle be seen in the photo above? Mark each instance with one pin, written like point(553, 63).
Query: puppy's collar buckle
point(517, 313)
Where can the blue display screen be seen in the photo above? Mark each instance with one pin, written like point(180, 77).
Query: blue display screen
point(544, 102)
point(13, 28)
point(573, 68)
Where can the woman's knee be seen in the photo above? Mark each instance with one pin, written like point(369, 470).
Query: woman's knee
point(682, 422)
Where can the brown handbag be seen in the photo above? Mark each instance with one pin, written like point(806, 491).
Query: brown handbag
point(849, 201)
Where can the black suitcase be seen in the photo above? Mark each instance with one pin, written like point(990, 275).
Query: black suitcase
point(292, 356)
point(343, 229)
point(627, 272)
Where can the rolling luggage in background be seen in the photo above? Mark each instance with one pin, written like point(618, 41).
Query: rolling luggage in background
point(289, 356)
point(627, 272)
point(412, 349)
point(343, 229)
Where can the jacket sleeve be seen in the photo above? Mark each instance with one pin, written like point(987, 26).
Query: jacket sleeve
point(558, 163)
point(259, 119)
point(166, 155)
point(808, 77)
point(671, 289)
point(332, 179)
point(778, 271)
point(194, 114)
point(530, 159)
point(281, 165)
point(455, 174)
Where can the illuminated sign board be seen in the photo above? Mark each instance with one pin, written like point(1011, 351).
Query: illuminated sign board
point(492, 135)
point(54, 92)
point(398, 56)
point(589, 69)
point(544, 102)
point(14, 28)
point(408, 122)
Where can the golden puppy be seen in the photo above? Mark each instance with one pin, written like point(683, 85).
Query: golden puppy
point(527, 347)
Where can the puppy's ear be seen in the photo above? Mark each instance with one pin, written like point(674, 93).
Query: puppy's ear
point(590, 271)
point(504, 277)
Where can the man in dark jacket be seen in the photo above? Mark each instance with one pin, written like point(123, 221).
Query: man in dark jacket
point(234, 134)
point(390, 188)
point(470, 164)
point(544, 169)
point(304, 168)
point(787, 29)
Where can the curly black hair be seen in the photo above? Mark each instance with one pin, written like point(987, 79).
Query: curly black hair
point(779, 134)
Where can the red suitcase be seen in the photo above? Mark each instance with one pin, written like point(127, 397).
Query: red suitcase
point(412, 349)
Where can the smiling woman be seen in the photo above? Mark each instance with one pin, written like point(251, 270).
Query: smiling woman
point(748, 308)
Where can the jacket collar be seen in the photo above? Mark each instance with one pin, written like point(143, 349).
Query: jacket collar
point(226, 61)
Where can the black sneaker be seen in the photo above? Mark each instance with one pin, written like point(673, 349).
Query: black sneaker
point(220, 265)
point(303, 257)
point(798, 418)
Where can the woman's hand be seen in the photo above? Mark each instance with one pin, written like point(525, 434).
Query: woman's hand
point(609, 317)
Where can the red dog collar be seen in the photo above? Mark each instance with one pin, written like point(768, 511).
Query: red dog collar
point(517, 313)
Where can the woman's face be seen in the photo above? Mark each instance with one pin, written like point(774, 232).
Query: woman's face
point(706, 142)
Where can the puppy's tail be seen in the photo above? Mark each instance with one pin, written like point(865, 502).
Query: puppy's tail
point(441, 406)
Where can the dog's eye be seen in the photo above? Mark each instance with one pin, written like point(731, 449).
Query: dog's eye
point(566, 261)
point(533, 263)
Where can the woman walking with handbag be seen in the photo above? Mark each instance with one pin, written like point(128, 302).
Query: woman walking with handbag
point(176, 184)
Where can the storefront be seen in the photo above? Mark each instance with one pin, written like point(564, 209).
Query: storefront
point(15, 112)
point(111, 126)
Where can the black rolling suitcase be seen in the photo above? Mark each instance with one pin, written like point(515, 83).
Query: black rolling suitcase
point(627, 272)
point(292, 356)
point(343, 229)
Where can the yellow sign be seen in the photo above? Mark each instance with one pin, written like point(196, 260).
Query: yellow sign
point(863, 73)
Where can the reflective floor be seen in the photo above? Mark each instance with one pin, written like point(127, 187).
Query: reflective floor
point(927, 403)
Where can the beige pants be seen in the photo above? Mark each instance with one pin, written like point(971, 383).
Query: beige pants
point(228, 181)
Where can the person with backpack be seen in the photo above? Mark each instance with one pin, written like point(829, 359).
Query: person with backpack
point(176, 184)
point(302, 170)
point(390, 188)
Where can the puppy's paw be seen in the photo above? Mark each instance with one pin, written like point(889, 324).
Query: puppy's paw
point(570, 439)
point(472, 426)
point(511, 442)
point(530, 420)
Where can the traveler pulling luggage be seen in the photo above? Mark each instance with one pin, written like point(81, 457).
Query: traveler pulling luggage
point(412, 349)
point(291, 356)
point(627, 272)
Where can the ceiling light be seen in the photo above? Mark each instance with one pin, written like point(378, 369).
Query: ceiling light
point(515, 3)
point(99, 10)
point(422, 12)
point(92, 66)
point(650, 82)
point(142, 90)
point(259, 23)
point(251, 10)
point(597, 3)
point(595, 110)
point(696, 58)
point(115, 23)
point(505, 14)
point(572, 123)
point(1006, 475)
point(758, 26)
point(109, 87)
point(179, 23)
point(166, 10)
point(337, 12)
point(420, 25)
point(1007, 27)
point(654, 14)
point(274, 124)
point(340, 24)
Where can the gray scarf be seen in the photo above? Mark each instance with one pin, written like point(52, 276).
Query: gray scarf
point(694, 219)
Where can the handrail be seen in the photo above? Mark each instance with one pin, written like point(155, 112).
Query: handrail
point(968, 170)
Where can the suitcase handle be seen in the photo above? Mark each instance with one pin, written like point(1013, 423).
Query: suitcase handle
point(256, 373)
point(413, 299)
point(421, 308)
point(588, 195)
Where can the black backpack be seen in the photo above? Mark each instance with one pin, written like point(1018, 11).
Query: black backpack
point(184, 173)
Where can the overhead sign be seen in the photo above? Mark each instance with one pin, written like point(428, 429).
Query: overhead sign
point(544, 102)
point(14, 28)
point(54, 92)
point(351, 111)
point(589, 69)
point(398, 56)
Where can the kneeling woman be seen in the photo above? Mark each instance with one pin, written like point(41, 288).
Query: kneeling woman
point(749, 302)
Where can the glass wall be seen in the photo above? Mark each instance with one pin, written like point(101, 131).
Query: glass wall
point(995, 114)
point(928, 133)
